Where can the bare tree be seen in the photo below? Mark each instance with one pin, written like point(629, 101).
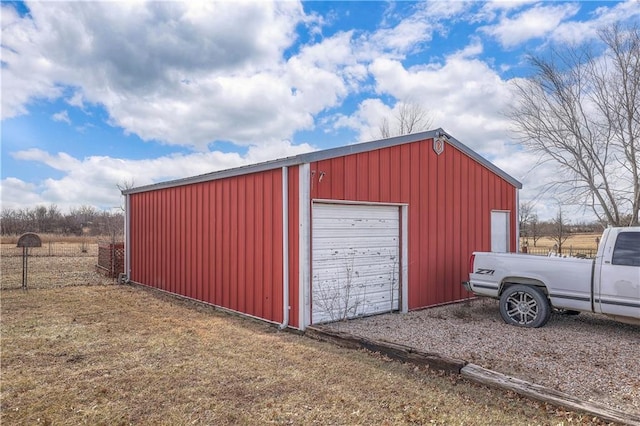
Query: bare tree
point(525, 213)
point(410, 118)
point(559, 230)
point(52, 220)
point(535, 229)
point(529, 224)
point(124, 185)
point(582, 112)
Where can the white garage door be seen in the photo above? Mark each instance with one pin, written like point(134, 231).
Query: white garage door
point(355, 260)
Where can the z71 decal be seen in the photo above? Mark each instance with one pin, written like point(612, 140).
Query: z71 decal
point(482, 271)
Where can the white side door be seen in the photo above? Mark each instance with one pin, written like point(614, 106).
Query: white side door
point(499, 231)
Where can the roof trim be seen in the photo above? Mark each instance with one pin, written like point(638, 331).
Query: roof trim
point(324, 155)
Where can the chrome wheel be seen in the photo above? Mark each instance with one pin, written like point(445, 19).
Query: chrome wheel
point(525, 306)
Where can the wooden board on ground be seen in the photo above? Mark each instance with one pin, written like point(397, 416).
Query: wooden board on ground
point(541, 393)
point(472, 372)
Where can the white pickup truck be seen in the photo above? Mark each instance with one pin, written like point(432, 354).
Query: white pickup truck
point(529, 287)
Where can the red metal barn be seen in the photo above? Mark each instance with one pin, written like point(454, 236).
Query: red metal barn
point(357, 230)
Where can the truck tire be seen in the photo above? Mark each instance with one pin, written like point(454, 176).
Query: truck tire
point(524, 306)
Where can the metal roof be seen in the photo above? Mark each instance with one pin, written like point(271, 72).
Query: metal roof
point(326, 154)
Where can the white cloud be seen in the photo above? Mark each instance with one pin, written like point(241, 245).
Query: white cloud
point(492, 7)
point(61, 116)
point(464, 95)
point(77, 100)
point(411, 33)
point(16, 194)
point(625, 10)
point(25, 76)
point(535, 22)
point(366, 119)
point(181, 73)
point(441, 10)
point(93, 180)
point(403, 37)
point(61, 161)
point(574, 32)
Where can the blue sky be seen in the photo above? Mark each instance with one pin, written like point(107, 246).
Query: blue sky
point(95, 94)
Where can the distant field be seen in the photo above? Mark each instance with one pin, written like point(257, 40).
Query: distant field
point(577, 241)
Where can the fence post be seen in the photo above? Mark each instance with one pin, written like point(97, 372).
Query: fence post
point(25, 255)
point(26, 241)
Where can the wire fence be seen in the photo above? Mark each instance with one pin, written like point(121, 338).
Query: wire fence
point(62, 267)
point(566, 251)
point(51, 249)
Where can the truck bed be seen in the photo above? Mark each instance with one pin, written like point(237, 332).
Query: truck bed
point(567, 279)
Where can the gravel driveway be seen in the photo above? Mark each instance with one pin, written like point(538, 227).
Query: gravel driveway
point(588, 356)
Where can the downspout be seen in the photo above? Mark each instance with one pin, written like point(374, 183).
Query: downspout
point(517, 220)
point(285, 248)
point(127, 238)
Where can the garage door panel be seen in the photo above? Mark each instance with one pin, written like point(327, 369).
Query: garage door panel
point(359, 258)
point(349, 241)
point(329, 258)
point(353, 222)
point(363, 212)
point(362, 269)
point(355, 261)
point(338, 231)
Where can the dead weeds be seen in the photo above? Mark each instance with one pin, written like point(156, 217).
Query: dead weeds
point(128, 355)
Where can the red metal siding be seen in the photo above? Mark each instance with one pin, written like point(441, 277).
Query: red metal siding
point(450, 198)
point(218, 241)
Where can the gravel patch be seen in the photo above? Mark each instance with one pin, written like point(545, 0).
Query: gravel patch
point(587, 356)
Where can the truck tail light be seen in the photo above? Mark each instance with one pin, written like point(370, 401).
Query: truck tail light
point(471, 259)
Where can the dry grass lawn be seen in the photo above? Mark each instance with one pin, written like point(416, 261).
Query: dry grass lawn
point(107, 354)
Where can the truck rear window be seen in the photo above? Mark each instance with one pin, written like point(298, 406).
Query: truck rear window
point(627, 249)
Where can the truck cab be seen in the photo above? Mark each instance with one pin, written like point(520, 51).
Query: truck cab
point(616, 276)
